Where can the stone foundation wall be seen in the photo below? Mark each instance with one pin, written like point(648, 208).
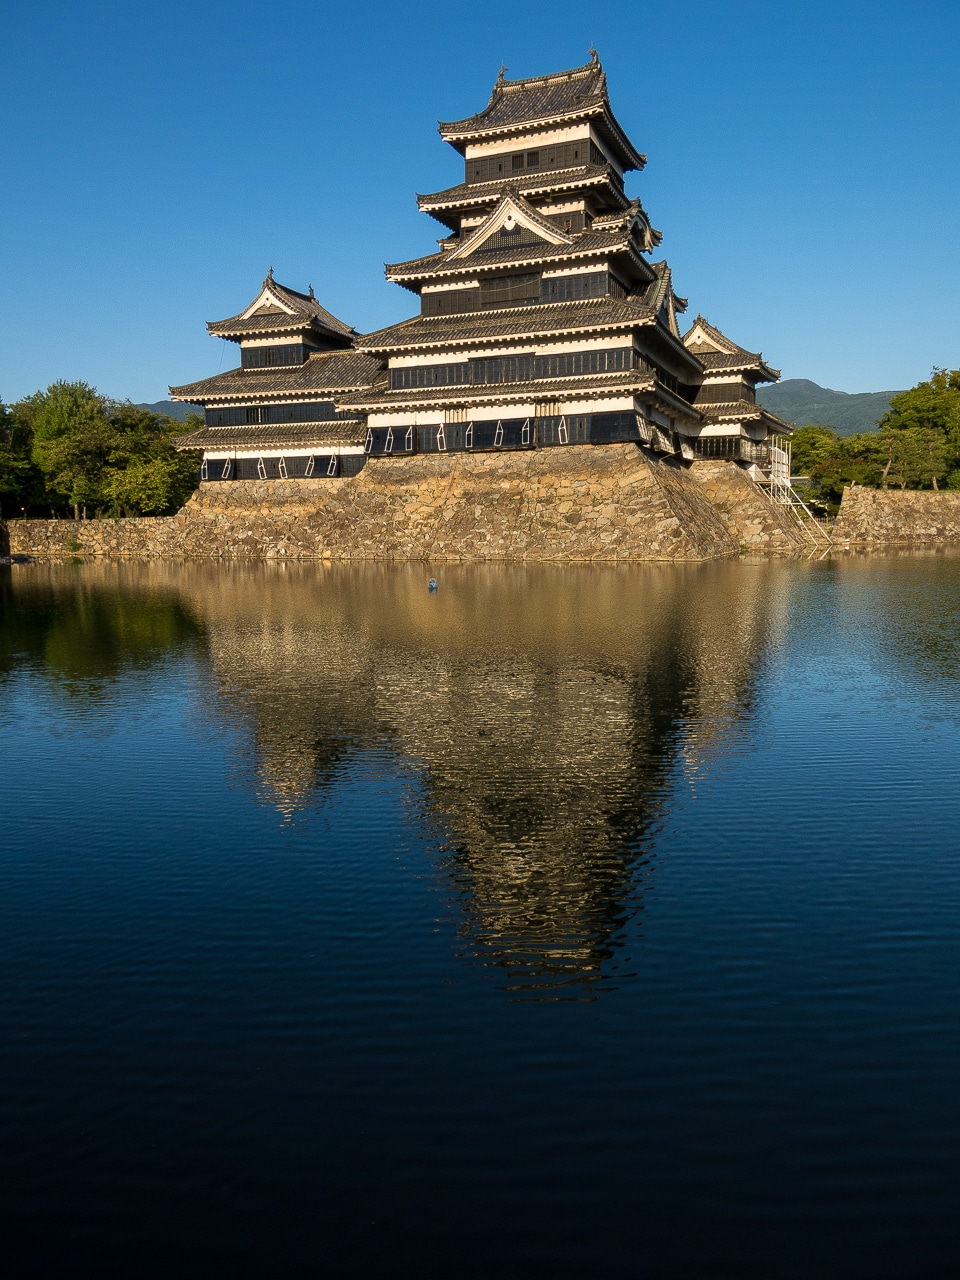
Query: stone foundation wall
point(608, 502)
point(891, 516)
point(746, 511)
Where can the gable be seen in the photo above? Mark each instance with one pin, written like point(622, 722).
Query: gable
point(268, 302)
point(513, 222)
point(698, 339)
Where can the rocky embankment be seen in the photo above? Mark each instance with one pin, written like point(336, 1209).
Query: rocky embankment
point(608, 502)
point(888, 516)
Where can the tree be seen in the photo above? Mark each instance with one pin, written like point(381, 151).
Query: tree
point(812, 445)
point(72, 440)
point(933, 405)
point(850, 460)
point(21, 481)
point(922, 428)
point(916, 447)
point(100, 453)
point(147, 475)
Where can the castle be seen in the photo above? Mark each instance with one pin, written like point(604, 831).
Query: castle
point(543, 324)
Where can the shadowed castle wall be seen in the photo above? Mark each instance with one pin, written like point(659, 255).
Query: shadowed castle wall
point(608, 502)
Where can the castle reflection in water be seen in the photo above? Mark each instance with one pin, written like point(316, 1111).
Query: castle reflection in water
point(546, 714)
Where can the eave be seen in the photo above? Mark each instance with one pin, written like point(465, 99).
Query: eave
point(627, 382)
point(640, 317)
point(589, 111)
point(273, 435)
point(413, 274)
point(461, 198)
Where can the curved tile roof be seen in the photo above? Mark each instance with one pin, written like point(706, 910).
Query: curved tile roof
point(585, 243)
point(296, 435)
point(561, 95)
point(562, 318)
point(305, 312)
point(328, 371)
point(529, 183)
point(623, 382)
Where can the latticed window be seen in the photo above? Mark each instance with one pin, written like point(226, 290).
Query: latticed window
point(246, 415)
point(430, 375)
point(286, 353)
point(504, 289)
point(448, 302)
point(591, 284)
point(503, 369)
point(564, 155)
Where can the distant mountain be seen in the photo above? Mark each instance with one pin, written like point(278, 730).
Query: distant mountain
point(798, 400)
point(173, 409)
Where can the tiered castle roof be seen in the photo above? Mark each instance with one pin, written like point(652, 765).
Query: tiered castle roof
point(562, 98)
point(542, 302)
point(278, 309)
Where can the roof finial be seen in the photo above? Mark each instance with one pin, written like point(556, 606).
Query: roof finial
point(311, 293)
point(270, 273)
point(594, 56)
point(502, 74)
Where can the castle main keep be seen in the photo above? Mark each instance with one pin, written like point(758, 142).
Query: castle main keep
point(543, 324)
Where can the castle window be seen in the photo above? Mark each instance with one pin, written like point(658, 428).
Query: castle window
point(271, 357)
point(315, 411)
point(563, 156)
point(503, 290)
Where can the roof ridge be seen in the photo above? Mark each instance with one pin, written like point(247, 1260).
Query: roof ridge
point(504, 88)
point(545, 177)
point(718, 335)
point(549, 77)
point(305, 305)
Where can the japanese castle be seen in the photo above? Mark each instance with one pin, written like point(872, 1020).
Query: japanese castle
point(542, 322)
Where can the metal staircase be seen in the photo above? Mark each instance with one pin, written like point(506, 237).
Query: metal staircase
point(783, 493)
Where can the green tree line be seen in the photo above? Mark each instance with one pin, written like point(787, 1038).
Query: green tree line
point(916, 446)
point(71, 451)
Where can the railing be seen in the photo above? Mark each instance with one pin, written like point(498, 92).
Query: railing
point(733, 449)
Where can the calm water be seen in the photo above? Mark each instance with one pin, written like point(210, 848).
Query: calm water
point(568, 922)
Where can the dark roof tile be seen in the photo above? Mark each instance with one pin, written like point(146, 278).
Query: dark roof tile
point(306, 313)
point(439, 264)
point(623, 381)
point(548, 180)
point(586, 315)
point(327, 371)
point(536, 98)
point(296, 435)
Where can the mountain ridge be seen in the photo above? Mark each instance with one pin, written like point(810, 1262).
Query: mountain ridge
point(802, 401)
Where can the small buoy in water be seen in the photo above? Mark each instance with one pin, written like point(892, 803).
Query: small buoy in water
point(432, 584)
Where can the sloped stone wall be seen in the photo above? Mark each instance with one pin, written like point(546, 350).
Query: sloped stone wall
point(892, 516)
point(608, 502)
point(746, 511)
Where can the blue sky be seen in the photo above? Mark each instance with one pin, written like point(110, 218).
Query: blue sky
point(156, 159)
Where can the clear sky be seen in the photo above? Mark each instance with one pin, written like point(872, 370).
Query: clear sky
point(158, 158)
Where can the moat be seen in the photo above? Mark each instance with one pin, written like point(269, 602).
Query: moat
point(569, 920)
